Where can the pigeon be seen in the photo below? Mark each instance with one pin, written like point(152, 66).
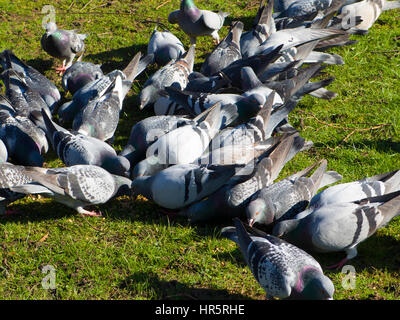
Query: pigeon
point(74, 148)
point(289, 38)
point(79, 74)
point(165, 46)
point(23, 139)
point(340, 226)
point(230, 200)
point(368, 10)
point(263, 26)
point(148, 130)
point(247, 133)
point(97, 88)
point(62, 44)
point(289, 196)
point(23, 99)
point(3, 152)
point(34, 79)
point(195, 22)
point(305, 9)
point(175, 73)
point(182, 145)
point(100, 117)
point(11, 175)
point(76, 186)
point(283, 270)
point(228, 76)
point(378, 185)
point(226, 52)
point(187, 183)
point(196, 103)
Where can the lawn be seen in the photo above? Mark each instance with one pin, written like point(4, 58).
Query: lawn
point(136, 252)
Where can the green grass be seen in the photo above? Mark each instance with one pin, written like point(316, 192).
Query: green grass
point(134, 251)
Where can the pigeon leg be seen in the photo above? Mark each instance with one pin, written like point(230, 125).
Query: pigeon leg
point(61, 70)
point(338, 265)
point(193, 41)
point(84, 212)
point(351, 253)
point(168, 213)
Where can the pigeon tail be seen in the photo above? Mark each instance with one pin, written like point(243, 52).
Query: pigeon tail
point(388, 5)
point(131, 69)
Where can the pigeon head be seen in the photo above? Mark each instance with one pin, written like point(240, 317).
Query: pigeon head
point(35, 159)
point(122, 186)
point(147, 96)
point(284, 227)
point(319, 287)
point(260, 211)
point(249, 106)
point(117, 165)
point(51, 27)
point(142, 186)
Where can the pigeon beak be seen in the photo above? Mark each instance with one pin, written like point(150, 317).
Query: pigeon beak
point(251, 222)
point(142, 104)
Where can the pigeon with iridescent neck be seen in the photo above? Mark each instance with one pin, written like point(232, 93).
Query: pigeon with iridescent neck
point(62, 44)
point(195, 22)
point(80, 74)
point(283, 270)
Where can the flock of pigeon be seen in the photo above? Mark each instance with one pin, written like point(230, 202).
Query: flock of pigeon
point(217, 142)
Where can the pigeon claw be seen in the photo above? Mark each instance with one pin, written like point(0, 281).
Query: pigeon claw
point(338, 265)
point(61, 70)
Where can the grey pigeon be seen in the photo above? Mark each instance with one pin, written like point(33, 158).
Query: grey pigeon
point(294, 37)
point(340, 226)
point(3, 152)
point(282, 270)
point(368, 10)
point(175, 73)
point(195, 103)
point(183, 145)
point(100, 117)
point(24, 100)
point(23, 139)
point(378, 185)
point(148, 130)
point(74, 148)
point(34, 79)
point(195, 22)
point(79, 74)
point(289, 196)
point(264, 25)
point(10, 176)
point(231, 199)
point(76, 187)
point(97, 88)
point(62, 44)
point(187, 183)
point(226, 52)
point(249, 132)
point(165, 46)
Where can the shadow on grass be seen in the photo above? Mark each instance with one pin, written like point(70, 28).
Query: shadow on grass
point(174, 290)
